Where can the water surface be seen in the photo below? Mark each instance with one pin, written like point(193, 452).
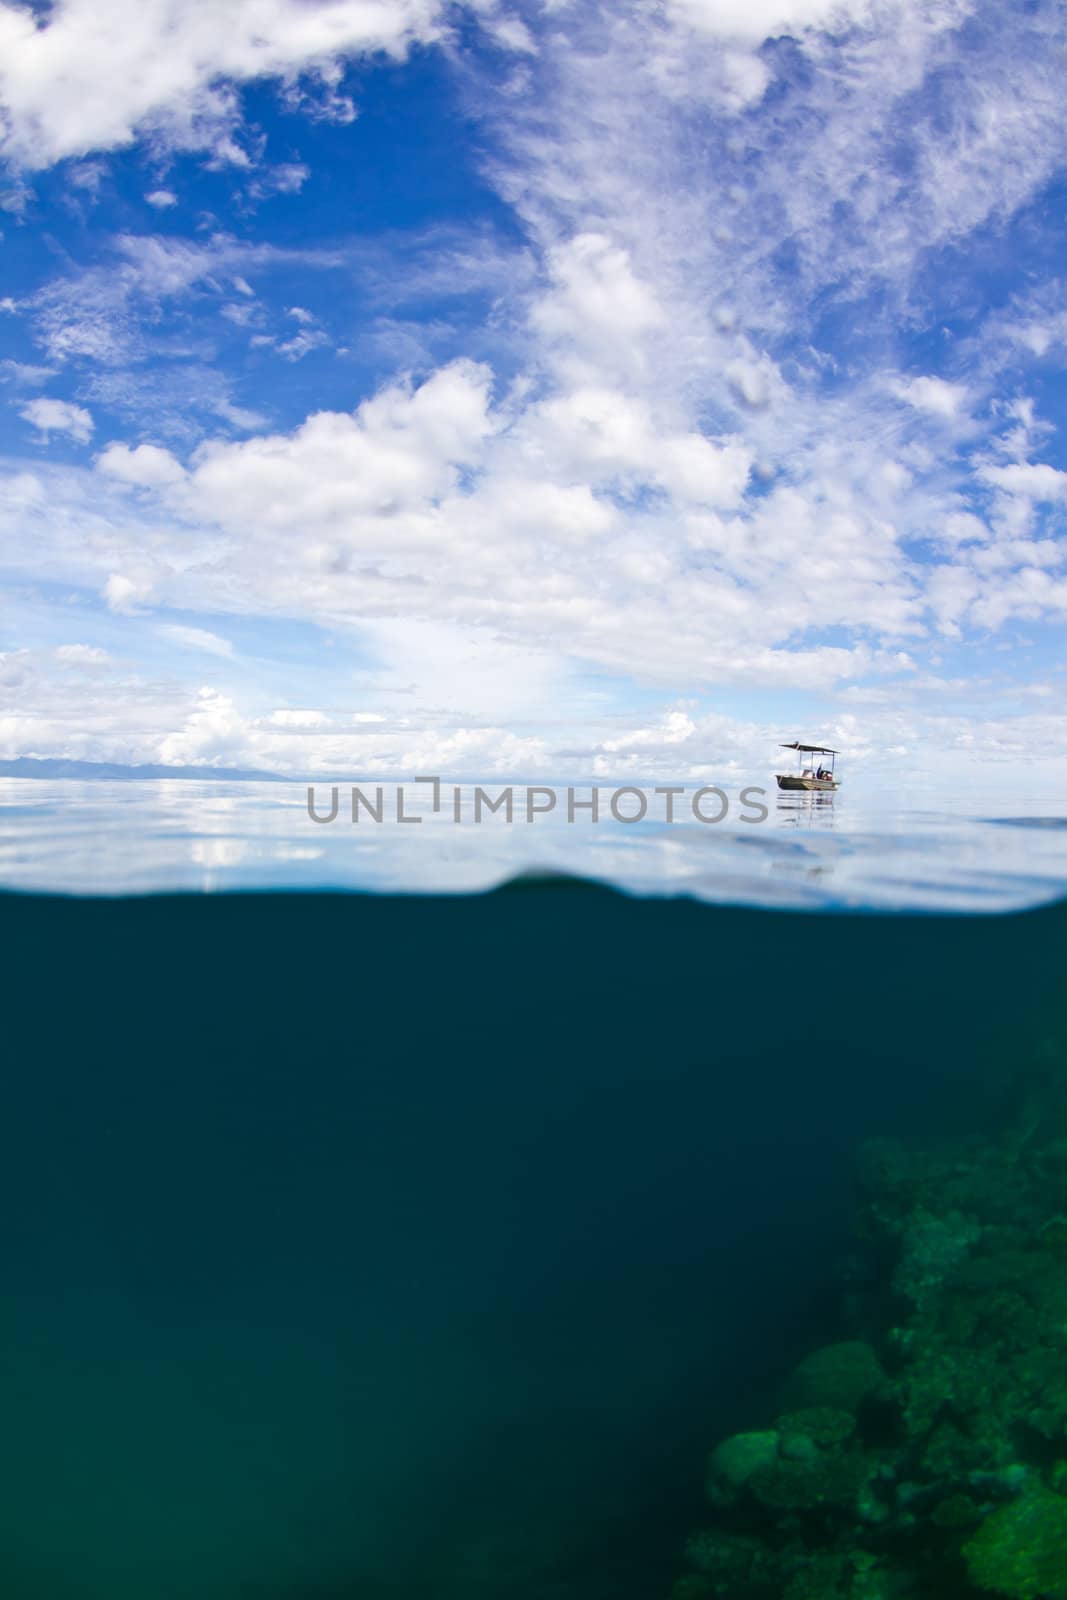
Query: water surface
point(886, 850)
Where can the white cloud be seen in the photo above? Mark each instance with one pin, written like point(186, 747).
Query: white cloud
point(675, 728)
point(107, 314)
point(584, 521)
point(16, 200)
point(244, 314)
point(211, 731)
point(606, 435)
point(934, 396)
point(299, 719)
point(596, 307)
point(87, 175)
point(752, 21)
point(126, 594)
point(196, 639)
point(397, 451)
point(144, 465)
point(25, 374)
point(1031, 480)
point(704, 203)
point(286, 177)
point(928, 722)
point(510, 33)
point(59, 416)
point(161, 199)
point(82, 655)
point(95, 73)
point(753, 379)
point(239, 417)
point(302, 343)
point(48, 707)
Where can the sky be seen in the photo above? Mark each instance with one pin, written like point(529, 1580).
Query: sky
point(535, 388)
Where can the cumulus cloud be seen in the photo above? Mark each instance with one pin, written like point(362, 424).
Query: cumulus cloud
point(595, 297)
point(1031, 479)
point(399, 449)
point(605, 435)
point(446, 527)
point(93, 74)
point(144, 465)
point(211, 730)
point(124, 593)
point(59, 416)
point(48, 708)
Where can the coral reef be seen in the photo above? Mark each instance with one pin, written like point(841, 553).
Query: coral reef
point(1022, 1548)
point(925, 1454)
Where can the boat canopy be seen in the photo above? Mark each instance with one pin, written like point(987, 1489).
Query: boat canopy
point(810, 749)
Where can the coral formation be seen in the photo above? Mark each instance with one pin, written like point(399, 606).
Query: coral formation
point(925, 1453)
point(1021, 1550)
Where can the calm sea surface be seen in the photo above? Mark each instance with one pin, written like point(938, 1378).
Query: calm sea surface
point(876, 849)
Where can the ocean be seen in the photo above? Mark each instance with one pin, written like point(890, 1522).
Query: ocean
point(385, 1224)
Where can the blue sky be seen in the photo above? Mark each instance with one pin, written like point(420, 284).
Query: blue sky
point(537, 389)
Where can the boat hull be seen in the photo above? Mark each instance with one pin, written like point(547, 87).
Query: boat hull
point(789, 780)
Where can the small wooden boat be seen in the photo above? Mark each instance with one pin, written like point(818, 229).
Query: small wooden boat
point(810, 773)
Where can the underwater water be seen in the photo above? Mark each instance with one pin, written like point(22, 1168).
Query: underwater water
point(419, 1244)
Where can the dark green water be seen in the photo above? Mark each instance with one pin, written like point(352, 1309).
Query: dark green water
point(362, 1246)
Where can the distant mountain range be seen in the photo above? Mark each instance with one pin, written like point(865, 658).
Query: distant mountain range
point(51, 767)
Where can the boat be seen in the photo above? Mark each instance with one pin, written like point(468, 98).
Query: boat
point(810, 774)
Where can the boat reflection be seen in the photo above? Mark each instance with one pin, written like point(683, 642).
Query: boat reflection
point(805, 808)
